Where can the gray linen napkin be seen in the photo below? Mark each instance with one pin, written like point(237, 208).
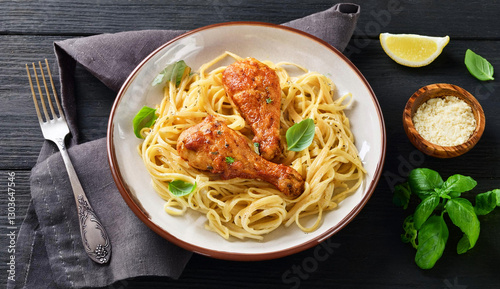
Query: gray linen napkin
point(49, 252)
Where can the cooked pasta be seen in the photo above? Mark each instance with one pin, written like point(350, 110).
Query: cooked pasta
point(245, 208)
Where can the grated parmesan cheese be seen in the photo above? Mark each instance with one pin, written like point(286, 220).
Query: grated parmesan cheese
point(447, 121)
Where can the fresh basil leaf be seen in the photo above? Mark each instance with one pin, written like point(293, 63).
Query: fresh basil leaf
point(410, 235)
point(144, 118)
point(487, 202)
point(432, 239)
point(424, 194)
point(173, 73)
point(463, 245)
point(423, 181)
point(442, 193)
point(300, 135)
point(424, 210)
point(479, 67)
point(458, 184)
point(462, 214)
point(180, 188)
point(401, 197)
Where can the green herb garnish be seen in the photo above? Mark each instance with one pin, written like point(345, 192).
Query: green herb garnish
point(401, 195)
point(269, 100)
point(410, 235)
point(173, 73)
point(180, 188)
point(479, 67)
point(486, 202)
point(432, 239)
point(229, 160)
point(300, 135)
point(461, 213)
point(144, 118)
point(256, 147)
point(426, 228)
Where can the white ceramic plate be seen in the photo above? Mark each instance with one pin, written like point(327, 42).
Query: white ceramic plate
point(265, 42)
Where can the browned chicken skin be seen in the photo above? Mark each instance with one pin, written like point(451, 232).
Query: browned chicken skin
point(211, 145)
point(254, 89)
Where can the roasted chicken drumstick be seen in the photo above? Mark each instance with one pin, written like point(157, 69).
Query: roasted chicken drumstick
point(254, 88)
point(211, 145)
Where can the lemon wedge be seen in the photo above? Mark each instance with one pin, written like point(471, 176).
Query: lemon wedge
point(411, 49)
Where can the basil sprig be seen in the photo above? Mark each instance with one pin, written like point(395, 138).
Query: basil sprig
point(432, 239)
point(180, 188)
point(144, 118)
point(300, 135)
point(426, 228)
point(173, 73)
point(479, 67)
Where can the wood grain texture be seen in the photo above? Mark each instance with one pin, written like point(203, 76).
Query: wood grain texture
point(21, 195)
point(21, 136)
point(442, 90)
point(394, 84)
point(368, 252)
point(471, 20)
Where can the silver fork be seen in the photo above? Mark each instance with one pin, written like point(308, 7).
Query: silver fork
point(54, 128)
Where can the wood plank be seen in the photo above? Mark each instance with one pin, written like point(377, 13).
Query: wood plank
point(474, 19)
point(466, 20)
point(355, 251)
point(365, 254)
point(21, 136)
point(392, 83)
point(112, 16)
point(358, 251)
point(17, 198)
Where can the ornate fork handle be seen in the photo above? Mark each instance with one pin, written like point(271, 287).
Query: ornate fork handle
point(94, 237)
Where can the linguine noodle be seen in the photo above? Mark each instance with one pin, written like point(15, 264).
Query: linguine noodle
point(244, 208)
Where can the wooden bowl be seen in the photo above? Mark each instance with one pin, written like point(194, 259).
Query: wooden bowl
point(441, 90)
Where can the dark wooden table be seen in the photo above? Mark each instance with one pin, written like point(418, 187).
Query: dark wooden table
point(367, 253)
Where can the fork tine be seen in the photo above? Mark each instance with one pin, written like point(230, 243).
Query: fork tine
point(40, 119)
point(47, 90)
point(61, 113)
point(40, 93)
